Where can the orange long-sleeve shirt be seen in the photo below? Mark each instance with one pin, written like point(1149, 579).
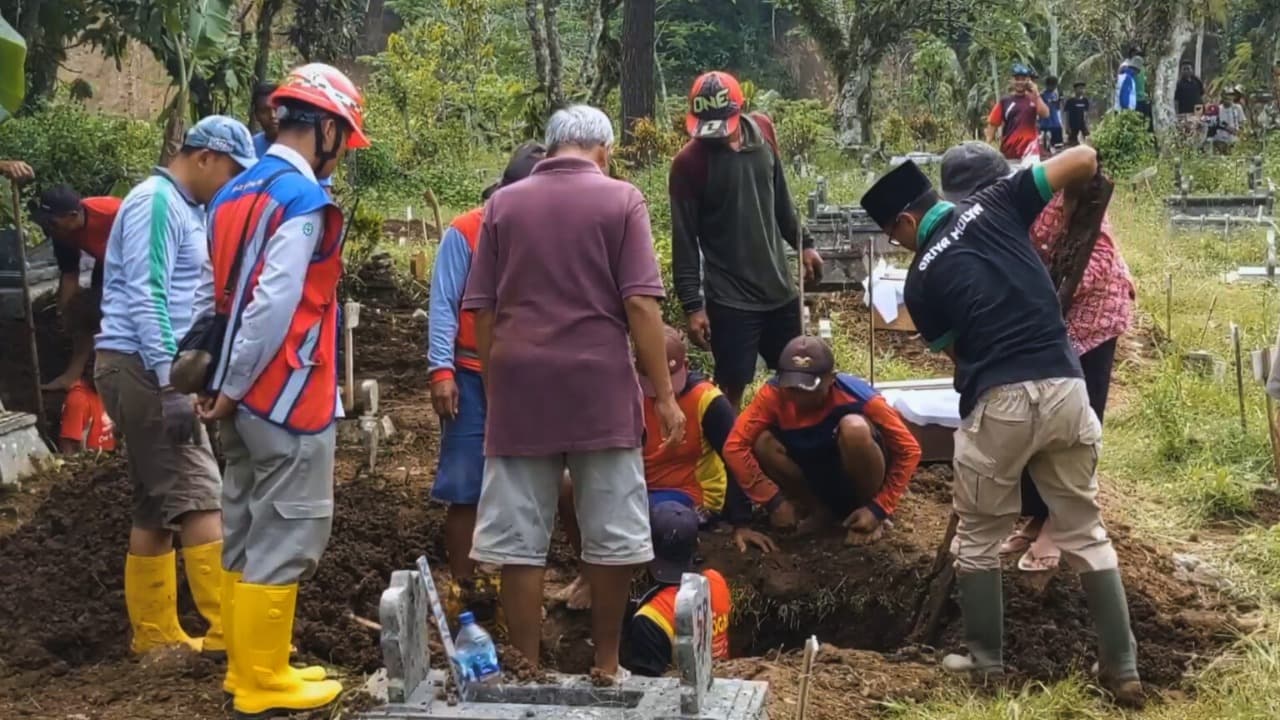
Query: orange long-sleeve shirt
point(770, 411)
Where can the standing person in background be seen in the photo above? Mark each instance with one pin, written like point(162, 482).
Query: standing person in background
point(1051, 126)
point(565, 271)
point(1077, 109)
point(1189, 94)
point(1101, 311)
point(1139, 63)
point(276, 241)
point(265, 116)
point(1126, 97)
point(151, 278)
point(731, 220)
point(77, 225)
point(457, 388)
point(1017, 116)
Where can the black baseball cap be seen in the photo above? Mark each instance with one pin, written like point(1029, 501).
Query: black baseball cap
point(57, 201)
point(519, 167)
point(675, 540)
point(805, 361)
point(969, 167)
point(894, 192)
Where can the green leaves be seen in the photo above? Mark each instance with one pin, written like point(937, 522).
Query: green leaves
point(13, 54)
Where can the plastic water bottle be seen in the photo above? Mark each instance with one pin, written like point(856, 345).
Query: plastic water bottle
point(476, 653)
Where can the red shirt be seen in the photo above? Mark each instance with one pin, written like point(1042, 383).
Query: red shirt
point(99, 215)
point(1020, 125)
point(85, 421)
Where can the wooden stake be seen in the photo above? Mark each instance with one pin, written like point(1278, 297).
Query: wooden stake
point(28, 311)
point(806, 673)
point(1235, 347)
point(1168, 306)
point(871, 308)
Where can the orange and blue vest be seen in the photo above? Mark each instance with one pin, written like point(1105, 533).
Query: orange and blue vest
point(467, 355)
point(659, 606)
point(693, 466)
point(298, 388)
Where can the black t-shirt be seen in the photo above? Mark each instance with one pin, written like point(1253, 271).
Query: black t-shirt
point(1188, 94)
point(977, 284)
point(1077, 112)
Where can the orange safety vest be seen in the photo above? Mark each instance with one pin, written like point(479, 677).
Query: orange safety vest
point(661, 609)
point(467, 354)
point(298, 390)
point(693, 467)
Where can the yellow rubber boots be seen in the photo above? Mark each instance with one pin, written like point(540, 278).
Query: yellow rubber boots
point(261, 632)
point(310, 673)
point(151, 597)
point(203, 564)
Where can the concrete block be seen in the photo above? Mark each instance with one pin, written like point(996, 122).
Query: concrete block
point(403, 614)
point(693, 641)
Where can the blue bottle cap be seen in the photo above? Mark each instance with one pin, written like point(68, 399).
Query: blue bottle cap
point(467, 618)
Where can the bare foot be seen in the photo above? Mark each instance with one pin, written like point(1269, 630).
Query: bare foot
point(60, 383)
point(577, 595)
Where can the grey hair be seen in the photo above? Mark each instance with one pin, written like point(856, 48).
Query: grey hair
point(580, 125)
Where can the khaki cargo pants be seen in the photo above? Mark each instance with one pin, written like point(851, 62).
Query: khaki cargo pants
point(1048, 427)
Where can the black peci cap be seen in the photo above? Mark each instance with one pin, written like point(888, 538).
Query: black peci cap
point(894, 192)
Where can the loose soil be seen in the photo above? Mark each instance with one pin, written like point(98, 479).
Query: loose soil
point(65, 631)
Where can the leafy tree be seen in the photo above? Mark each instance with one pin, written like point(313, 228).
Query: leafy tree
point(51, 28)
point(327, 30)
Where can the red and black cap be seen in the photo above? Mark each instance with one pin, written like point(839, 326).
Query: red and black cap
point(715, 106)
point(806, 361)
point(677, 363)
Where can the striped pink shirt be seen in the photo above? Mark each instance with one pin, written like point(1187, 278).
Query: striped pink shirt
point(1103, 304)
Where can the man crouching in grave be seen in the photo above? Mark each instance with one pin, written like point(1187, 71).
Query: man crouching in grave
point(825, 440)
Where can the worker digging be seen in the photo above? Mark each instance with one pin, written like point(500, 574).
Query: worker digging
point(581, 402)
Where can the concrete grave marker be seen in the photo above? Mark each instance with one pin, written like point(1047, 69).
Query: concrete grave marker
point(693, 641)
point(403, 613)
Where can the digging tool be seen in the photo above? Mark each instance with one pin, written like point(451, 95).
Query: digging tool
point(806, 675)
point(942, 581)
point(27, 309)
point(442, 625)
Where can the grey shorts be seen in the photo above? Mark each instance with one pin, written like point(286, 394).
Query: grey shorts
point(517, 511)
point(168, 480)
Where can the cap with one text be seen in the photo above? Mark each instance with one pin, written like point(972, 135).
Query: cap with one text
point(55, 202)
point(677, 363)
point(715, 106)
point(223, 134)
point(519, 167)
point(805, 362)
point(894, 192)
point(675, 541)
point(969, 167)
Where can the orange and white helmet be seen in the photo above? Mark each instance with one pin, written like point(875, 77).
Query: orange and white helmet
point(326, 88)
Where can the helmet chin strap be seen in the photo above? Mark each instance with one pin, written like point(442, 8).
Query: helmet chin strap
point(323, 155)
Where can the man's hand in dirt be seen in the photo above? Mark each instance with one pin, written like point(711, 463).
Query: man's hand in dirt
point(812, 265)
point(221, 408)
point(783, 517)
point(672, 421)
point(16, 170)
point(700, 329)
point(746, 537)
point(444, 398)
point(864, 527)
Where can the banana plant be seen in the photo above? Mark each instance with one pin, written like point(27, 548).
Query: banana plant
point(13, 55)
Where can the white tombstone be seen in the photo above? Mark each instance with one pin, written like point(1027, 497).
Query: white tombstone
point(693, 641)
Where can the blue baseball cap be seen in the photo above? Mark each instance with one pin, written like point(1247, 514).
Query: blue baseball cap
point(1021, 69)
point(675, 540)
point(223, 134)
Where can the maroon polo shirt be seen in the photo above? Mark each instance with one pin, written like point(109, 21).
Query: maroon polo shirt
point(559, 252)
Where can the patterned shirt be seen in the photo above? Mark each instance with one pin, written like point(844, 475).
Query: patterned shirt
point(1103, 304)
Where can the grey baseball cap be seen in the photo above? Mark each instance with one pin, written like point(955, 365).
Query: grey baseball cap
point(223, 134)
point(969, 167)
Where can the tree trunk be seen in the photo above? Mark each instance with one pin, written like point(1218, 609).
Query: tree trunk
point(262, 61)
point(538, 42)
point(608, 71)
point(1199, 47)
point(373, 27)
point(853, 107)
point(601, 11)
point(1181, 32)
point(175, 126)
point(638, 27)
point(555, 66)
point(1054, 32)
